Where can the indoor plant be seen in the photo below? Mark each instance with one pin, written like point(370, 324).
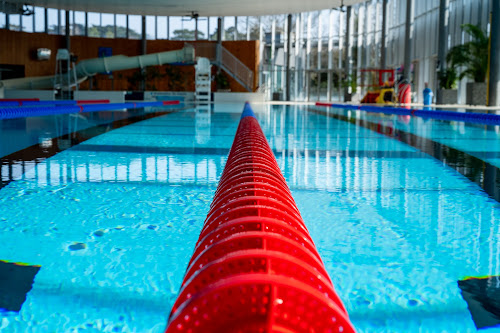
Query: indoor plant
point(447, 93)
point(472, 57)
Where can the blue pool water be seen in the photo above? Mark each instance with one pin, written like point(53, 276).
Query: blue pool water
point(113, 220)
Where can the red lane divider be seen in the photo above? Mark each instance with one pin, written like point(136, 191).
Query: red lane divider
point(92, 101)
point(255, 267)
point(171, 102)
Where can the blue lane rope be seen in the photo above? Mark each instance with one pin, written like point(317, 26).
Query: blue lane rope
point(45, 109)
point(480, 118)
point(247, 111)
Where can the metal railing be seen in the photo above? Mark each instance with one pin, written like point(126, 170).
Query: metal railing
point(239, 70)
point(219, 55)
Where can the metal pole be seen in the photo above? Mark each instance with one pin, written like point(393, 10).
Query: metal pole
point(248, 29)
point(273, 54)
point(348, 54)
point(289, 48)
point(46, 20)
point(219, 44)
point(408, 39)
point(383, 61)
point(68, 38)
point(330, 53)
point(127, 35)
point(196, 28)
point(143, 51)
point(87, 27)
point(143, 39)
point(494, 76)
point(442, 40)
point(235, 35)
point(168, 27)
point(58, 22)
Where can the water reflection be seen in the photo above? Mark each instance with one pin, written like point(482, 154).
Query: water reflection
point(28, 141)
point(471, 149)
point(203, 123)
point(383, 211)
point(395, 227)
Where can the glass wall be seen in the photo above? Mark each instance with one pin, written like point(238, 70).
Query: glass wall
point(324, 62)
point(3, 20)
point(151, 27)
point(134, 26)
point(162, 27)
point(121, 26)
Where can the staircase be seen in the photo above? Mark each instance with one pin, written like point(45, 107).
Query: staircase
point(221, 57)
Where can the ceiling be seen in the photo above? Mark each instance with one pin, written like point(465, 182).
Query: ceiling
point(187, 7)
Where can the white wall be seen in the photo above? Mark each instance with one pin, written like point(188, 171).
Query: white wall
point(113, 96)
point(43, 95)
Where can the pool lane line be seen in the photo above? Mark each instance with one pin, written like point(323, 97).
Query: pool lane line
point(30, 156)
point(48, 108)
point(486, 175)
point(468, 117)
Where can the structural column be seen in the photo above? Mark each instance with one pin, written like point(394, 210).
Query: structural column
point(330, 53)
point(383, 61)
point(408, 39)
point(347, 55)
point(218, 51)
point(494, 78)
point(442, 40)
point(67, 32)
point(289, 49)
point(143, 51)
point(195, 27)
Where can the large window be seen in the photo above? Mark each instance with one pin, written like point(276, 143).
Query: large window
point(108, 25)
point(78, 27)
point(188, 28)
point(121, 26)
point(203, 28)
point(212, 28)
point(150, 27)
point(134, 26)
point(53, 21)
point(15, 22)
point(39, 19)
point(62, 22)
point(94, 24)
point(175, 27)
point(241, 27)
point(27, 21)
point(2, 20)
point(229, 28)
point(254, 27)
point(161, 27)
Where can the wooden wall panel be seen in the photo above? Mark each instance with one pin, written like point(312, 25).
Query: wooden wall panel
point(18, 48)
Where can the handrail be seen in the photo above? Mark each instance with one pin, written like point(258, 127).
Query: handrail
point(218, 54)
point(239, 69)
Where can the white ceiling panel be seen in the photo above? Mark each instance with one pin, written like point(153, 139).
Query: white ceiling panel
point(187, 7)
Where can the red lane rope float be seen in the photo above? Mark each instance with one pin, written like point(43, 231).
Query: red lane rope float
point(92, 101)
point(255, 267)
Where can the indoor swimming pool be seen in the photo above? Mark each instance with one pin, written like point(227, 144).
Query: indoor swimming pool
point(110, 205)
